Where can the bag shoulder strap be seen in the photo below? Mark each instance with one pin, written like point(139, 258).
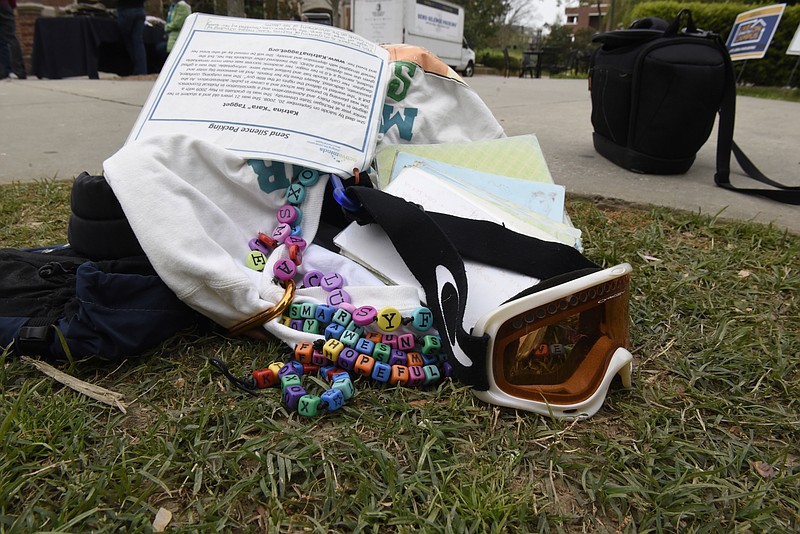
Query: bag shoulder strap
point(726, 145)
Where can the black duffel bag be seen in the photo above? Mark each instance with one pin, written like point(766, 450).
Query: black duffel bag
point(656, 89)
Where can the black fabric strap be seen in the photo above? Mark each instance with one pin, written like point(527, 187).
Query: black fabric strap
point(429, 244)
point(726, 145)
point(35, 336)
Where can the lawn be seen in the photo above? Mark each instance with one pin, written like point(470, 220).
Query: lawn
point(706, 440)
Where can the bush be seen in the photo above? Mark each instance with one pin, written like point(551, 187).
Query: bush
point(493, 58)
point(776, 66)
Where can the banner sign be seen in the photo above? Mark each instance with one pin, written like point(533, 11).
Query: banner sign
point(794, 46)
point(753, 31)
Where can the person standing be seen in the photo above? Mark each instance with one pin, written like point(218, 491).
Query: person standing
point(131, 16)
point(506, 62)
point(11, 51)
point(178, 11)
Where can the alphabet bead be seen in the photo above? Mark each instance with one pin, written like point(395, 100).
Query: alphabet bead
point(333, 398)
point(364, 365)
point(308, 405)
point(389, 319)
point(345, 385)
point(381, 372)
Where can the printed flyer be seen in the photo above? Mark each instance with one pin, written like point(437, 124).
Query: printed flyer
point(308, 94)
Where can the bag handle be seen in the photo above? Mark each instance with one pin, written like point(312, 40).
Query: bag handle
point(429, 244)
point(675, 26)
point(726, 146)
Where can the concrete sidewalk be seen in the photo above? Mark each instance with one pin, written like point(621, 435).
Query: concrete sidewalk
point(58, 128)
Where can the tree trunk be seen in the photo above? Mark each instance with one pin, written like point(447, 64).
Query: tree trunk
point(236, 8)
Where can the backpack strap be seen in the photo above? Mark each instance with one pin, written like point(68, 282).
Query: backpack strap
point(726, 145)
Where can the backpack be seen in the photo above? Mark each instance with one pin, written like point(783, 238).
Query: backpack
point(656, 91)
point(94, 297)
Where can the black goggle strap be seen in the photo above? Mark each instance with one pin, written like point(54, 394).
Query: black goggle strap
point(429, 244)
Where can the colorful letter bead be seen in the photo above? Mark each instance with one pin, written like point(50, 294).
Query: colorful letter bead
point(337, 297)
point(375, 337)
point(311, 326)
point(284, 269)
point(295, 194)
point(365, 315)
point(308, 177)
point(431, 345)
point(307, 310)
point(286, 214)
point(345, 385)
point(382, 352)
point(290, 380)
point(405, 342)
point(390, 339)
point(255, 244)
point(318, 359)
point(288, 369)
point(364, 365)
point(431, 373)
point(342, 317)
point(324, 313)
point(415, 359)
point(331, 281)
point(292, 395)
point(256, 260)
point(308, 405)
point(332, 348)
point(557, 351)
point(296, 240)
point(398, 357)
point(364, 346)
point(281, 232)
point(381, 372)
point(264, 378)
point(312, 278)
point(348, 307)
point(333, 398)
point(303, 351)
point(334, 331)
point(347, 359)
point(294, 310)
point(399, 375)
point(276, 367)
point(349, 338)
point(416, 376)
point(389, 319)
point(422, 319)
point(431, 359)
point(447, 369)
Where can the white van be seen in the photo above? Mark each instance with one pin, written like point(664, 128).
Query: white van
point(433, 24)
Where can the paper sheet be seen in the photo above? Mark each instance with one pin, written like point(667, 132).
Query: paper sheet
point(488, 286)
point(304, 93)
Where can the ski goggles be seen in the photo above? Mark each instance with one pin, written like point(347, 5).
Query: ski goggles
point(556, 351)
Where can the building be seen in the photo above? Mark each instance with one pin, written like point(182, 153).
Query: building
point(585, 15)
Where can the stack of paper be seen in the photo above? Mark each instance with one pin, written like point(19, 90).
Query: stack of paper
point(528, 207)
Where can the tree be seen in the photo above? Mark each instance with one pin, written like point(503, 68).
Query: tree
point(236, 8)
point(483, 19)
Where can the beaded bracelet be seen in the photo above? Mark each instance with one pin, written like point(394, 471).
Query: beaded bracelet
point(386, 357)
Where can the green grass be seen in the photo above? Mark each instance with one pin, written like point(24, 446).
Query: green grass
point(790, 94)
point(705, 441)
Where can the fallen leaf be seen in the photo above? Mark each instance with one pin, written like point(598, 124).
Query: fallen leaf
point(163, 517)
point(744, 273)
point(764, 469)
